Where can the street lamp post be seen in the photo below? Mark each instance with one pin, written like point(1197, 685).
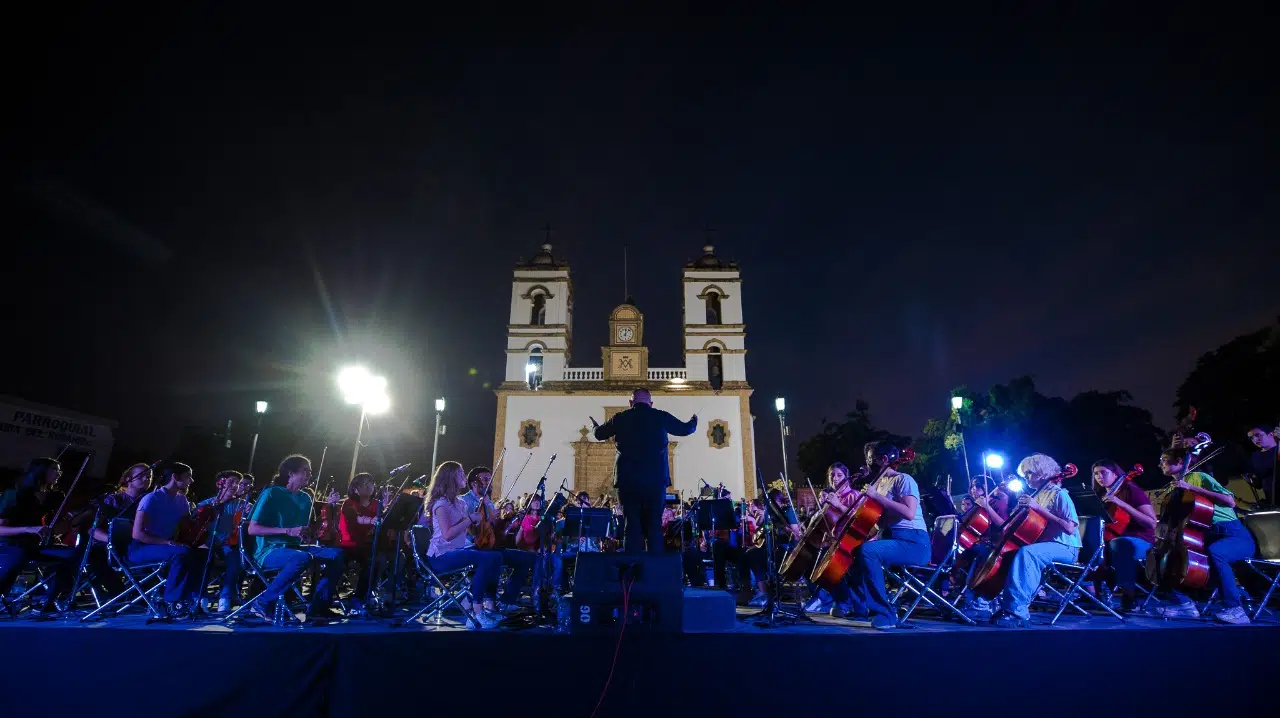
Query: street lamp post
point(781, 405)
point(261, 409)
point(435, 442)
point(370, 393)
point(957, 403)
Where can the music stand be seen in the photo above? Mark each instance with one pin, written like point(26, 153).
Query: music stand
point(1088, 503)
point(714, 515)
point(404, 512)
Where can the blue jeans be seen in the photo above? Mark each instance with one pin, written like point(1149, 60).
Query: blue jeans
point(522, 564)
point(1025, 569)
point(488, 565)
point(895, 547)
point(186, 566)
point(1228, 541)
point(15, 558)
point(293, 561)
point(1125, 553)
point(230, 574)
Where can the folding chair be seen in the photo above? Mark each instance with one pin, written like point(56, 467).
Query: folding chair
point(119, 534)
point(250, 567)
point(452, 585)
point(1265, 527)
point(920, 580)
point(44, 577)
point(1074, 575)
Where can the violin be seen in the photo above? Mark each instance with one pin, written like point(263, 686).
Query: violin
point(856, 527)
point(482, 533)
point(58, 522)
point(1177, 560)
point(1023, 528)
point(1117, 518)
point(194, 530)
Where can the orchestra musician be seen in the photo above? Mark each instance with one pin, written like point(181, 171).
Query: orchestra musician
point(1227, 541)
point(448, 551)
point(232, 489)
point(903, 541)
point(155, 528)
point(838, 492)
point(280, 520)
point(22, 510)
point(479, 482)
point(996, 503)
point(642, 470)
point(732, 546)
point(1262, 463)
point(134, 483)
point(356, 518)
point(1059, 542)
point(1125, 551)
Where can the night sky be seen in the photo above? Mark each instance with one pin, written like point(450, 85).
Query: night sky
point(207, 207)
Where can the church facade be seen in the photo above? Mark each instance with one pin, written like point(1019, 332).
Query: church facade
point(546, 402)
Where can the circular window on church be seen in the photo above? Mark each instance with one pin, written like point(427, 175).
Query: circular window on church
point(718, 434)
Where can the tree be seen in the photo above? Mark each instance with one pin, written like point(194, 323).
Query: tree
point(841, 442)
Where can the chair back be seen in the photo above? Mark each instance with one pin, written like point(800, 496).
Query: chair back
point(420, 539)
point(120, 535)
point(946, 529)
point(1265, 527)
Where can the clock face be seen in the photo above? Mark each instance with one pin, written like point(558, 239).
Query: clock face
point(625, 334)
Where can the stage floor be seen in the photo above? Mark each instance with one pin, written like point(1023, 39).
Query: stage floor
point(359, 667)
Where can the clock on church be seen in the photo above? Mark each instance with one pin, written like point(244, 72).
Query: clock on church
point(625, 359)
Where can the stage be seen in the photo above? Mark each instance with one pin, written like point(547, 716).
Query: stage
point(354, 668)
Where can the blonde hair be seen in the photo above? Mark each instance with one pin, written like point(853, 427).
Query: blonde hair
point(127, 476)
point(444, 484)
point(1038, 466)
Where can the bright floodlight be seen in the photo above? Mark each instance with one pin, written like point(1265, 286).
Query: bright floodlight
point(378, 403)
point(995, 461)
point(360, 387)
point(780, 404)
point(530, 368)
point(957, 402)
point(262, 407)
point(439, 404)
point(1015, 485)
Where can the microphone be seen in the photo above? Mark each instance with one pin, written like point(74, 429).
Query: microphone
point(420, 481)
point(398, 469)
point(704, 483)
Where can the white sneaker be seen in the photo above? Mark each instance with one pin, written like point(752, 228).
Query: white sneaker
point(224, 605)
point(817, 605)
point(486, 622)
point(1234, 616)
point(758, 600)
point(1183, 610)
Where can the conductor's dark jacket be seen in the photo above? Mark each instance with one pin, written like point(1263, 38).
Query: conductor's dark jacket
point(641, 434)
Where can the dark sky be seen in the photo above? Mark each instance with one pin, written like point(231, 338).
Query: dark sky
point(217, 205)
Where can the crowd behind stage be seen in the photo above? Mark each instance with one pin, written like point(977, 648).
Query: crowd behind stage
point(271, 551)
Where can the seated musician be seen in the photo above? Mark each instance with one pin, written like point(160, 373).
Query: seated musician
point(903, 541)
point(1059, 542)
point(1262, 463)
point(356, 518)
point(22, 509)
point(731, 545)
point(231, 491)
point(997, 505)
point(1227, 541)
point(479, 481)
point(135, 481)
point(448, 551)
point(1126, 550)
point(155, 528)
point(838, 492)
point(280, 520)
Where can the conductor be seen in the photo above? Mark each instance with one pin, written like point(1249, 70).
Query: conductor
point(643, 474)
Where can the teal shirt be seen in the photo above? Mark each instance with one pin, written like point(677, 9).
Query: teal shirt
point(278, 507)
point(1201, 480)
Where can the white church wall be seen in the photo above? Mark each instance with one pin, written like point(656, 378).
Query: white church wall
point(730, 303)
point(562, 418)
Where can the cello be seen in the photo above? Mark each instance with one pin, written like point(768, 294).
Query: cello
point(977, 522)
point(856, 527)
point(802, 557)
point(1117, 518)
point(1023, 528)
point(1178, 559)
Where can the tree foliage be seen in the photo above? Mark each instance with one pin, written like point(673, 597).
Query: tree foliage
point(841, 442)
point(1234, 385)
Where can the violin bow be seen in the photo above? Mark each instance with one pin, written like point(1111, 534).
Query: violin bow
point(518, 475)
point(49, 536)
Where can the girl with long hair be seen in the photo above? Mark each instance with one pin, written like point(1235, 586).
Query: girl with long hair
point(448, 550)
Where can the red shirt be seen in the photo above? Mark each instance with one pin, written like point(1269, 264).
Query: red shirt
point(1133, 495)
point(350, 531)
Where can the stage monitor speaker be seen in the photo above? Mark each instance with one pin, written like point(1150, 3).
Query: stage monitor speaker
point(654, 603)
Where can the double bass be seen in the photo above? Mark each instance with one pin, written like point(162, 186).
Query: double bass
point(856, 527)
point(1023, 528)
point(1178, 559)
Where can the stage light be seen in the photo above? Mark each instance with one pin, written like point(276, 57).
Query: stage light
point(530, 368)
point(957, 402)
point(379, 403)
point(780, 404)
point(261, 407)
point(995, 461)
point(1015, 485)
point(439, 404)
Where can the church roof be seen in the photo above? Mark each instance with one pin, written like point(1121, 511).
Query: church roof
point(543, 258)
point(709, 260)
